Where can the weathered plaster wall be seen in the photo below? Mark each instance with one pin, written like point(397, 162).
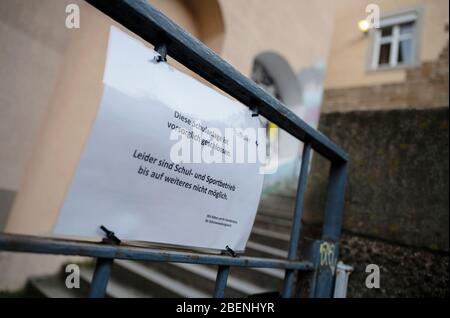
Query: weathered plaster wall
point(398, 180)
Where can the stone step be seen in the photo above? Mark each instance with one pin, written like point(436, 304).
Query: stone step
point(274, 219)
point(277, 202)
point(270, 238)
point(205, 277)
point(154, 281)
point(273, 223)
point(260, 250)
point(277, 235)
point(236, 287)
point(116, 288)
point(270, 279)
point(241, 282)
point(276, 211)
point(51, 287)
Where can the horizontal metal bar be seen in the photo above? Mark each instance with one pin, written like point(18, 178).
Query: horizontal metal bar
point(153, 26)
point(36, 244)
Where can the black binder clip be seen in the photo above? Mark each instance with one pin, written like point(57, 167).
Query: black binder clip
point(230, 251)
point(162, 51)
point(110, 237)
point(255, 111)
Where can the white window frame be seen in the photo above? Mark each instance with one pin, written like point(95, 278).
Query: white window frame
point(394, 39)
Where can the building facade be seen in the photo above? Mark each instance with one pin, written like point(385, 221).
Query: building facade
point(386, 102)
point(400, 65)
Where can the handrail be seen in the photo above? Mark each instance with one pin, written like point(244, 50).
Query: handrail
point(56, 246)
point(153, 26)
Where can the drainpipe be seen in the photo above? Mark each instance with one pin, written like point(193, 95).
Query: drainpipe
point(342, 273)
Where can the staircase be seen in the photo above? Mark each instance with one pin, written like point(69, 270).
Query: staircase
point(269, 238)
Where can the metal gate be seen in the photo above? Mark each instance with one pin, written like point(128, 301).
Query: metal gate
point(318, 256)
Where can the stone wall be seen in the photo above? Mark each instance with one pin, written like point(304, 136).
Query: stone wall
point(425, 87)
point(398, 181)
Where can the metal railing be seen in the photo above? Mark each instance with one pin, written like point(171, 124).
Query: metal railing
point(319, 255)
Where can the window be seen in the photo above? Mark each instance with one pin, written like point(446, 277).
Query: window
point(394, 42)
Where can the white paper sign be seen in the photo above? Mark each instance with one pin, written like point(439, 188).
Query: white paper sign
point(126, 179)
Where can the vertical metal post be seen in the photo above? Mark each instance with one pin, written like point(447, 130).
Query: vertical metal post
point(100, 278)
point(296, 222)
point(342, 274)
point(334, 205)
point(331, 231)
point(221, 281)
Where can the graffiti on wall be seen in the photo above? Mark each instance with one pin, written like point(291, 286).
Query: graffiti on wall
point(328, 256)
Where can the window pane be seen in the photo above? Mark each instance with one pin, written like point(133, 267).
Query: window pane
point(387, 31)
point(407, 28)
point(405, 52)
point(385, 53)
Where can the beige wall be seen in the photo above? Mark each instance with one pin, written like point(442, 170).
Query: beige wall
point(347, 64)
point(51, 85)
point(201, 18)
point(58, 141)
point(300, 31)
point(30, 56)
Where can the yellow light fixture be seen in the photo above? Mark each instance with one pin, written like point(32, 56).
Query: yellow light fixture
point(364, 26)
